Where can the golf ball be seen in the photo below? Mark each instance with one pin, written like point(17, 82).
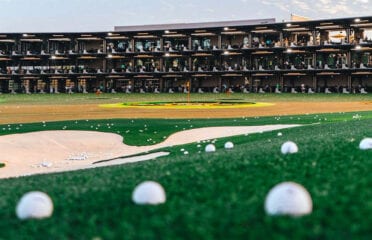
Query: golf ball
point(288, 198)
point(34, 205)
point(229, 145)
point(289, 147)
point(210, 148)
point(149, 192)
point(365, 144)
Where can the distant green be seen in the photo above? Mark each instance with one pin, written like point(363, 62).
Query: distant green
point(68, 99)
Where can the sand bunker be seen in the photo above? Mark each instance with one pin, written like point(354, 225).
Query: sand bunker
point(58, 151)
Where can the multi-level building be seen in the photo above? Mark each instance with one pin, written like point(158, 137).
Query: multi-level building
point(332, 55)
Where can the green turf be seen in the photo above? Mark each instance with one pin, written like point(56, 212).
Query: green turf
point(140, 131)
point(61, 99)
point(209, 196)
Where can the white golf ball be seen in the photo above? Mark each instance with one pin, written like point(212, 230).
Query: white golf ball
point(289, 147)
point(34, 205)
point(365, 144)
point(280, 134)
point(288, 198)
point(210, 148)
point(229, 145)
point(149, 192)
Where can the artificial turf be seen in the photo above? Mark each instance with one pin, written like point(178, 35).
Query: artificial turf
point(63, 99)
point(209, 196)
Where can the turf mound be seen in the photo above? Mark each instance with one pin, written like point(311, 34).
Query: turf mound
point(188, 105)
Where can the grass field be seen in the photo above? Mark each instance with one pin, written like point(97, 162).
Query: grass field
point(209, 196)
point(40, 99)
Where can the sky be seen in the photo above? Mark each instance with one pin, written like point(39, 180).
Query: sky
point(103, 15)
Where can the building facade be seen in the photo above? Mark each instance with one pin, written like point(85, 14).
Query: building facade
point(332, 55)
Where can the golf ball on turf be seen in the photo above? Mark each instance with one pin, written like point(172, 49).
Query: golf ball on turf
point(229, 145)
point(289, 147)
point(288, 198)
point(149, 192)
point(210, 148)
point(34, 205)
point(365, 144)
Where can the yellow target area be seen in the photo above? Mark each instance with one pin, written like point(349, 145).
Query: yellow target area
point(187, 105)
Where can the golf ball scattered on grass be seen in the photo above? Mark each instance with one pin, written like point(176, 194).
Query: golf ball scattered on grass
point(210, 148)
point(365, 144)
point(35, 205)
point(229, 145)
point(149, 192)
point(289, 147)
point(288, 198)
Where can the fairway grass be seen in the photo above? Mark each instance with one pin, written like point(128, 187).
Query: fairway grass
point(209, 195)
point(105, 98)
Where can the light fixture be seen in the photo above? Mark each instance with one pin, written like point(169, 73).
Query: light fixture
point(358, 47)
point(233, 33)
point(145, 36)
point(264, 31)
point(357, 20)
point(109, 56)
point(226, 28)
point(110, 34)
point(166, 31)
point(54, 57)
point(175, 35)
point(288, 24)
point(203, 34)
point(60, 39)
point(226, 52)
point(289, 50)
point(25, 34)
point(296, 29)
point(167, 55)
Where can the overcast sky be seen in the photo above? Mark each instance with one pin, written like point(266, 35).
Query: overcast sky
point(103, 15)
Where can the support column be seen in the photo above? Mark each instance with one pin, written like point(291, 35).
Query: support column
point(133, 46)
point(161, 84)
point(315, 83)
point(314, 38)
point(314, 60)
point(281, 38)
point(348, 59)
point(161, 44)
point(348, 32)
point(250, 40)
